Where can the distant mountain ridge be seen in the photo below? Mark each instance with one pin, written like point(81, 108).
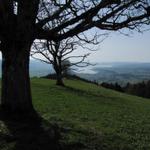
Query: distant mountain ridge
point(37, 68)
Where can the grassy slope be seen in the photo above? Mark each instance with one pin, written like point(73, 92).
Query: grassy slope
point(92, 116)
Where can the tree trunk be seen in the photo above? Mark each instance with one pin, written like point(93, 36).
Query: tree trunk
point(16, 93)
point(59, 79)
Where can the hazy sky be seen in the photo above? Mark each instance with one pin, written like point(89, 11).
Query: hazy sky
point(117, 47)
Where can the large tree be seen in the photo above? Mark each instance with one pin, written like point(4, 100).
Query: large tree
point(23, 21)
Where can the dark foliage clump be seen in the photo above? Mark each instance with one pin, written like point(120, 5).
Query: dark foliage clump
point(112, 86)
point(141, 89)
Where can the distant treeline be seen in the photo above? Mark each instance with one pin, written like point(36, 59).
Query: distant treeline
point(112, 86)
point(140, 89)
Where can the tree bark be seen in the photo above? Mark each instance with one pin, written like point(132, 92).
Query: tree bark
point(16, 93)
point(58, 70)
point(59, 76)
point(59, 80)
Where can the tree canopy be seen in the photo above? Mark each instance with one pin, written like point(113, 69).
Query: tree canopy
point(80, 15)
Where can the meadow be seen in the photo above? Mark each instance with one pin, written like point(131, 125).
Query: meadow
point(86, 116)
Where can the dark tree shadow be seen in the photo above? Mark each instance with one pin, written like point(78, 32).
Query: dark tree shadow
point(31, 132)
point(28, 132)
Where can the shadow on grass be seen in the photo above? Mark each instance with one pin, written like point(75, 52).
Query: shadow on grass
point(22, 132)
point(27, 133)
point(34, 133)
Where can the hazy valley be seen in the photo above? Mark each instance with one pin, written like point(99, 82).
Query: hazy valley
point(111, 72)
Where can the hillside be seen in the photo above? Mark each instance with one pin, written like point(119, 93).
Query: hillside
point(88, 117)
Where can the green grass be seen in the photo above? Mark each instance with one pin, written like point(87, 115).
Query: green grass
point(92, 117)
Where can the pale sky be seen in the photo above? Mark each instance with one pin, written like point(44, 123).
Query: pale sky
point(121, 48)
